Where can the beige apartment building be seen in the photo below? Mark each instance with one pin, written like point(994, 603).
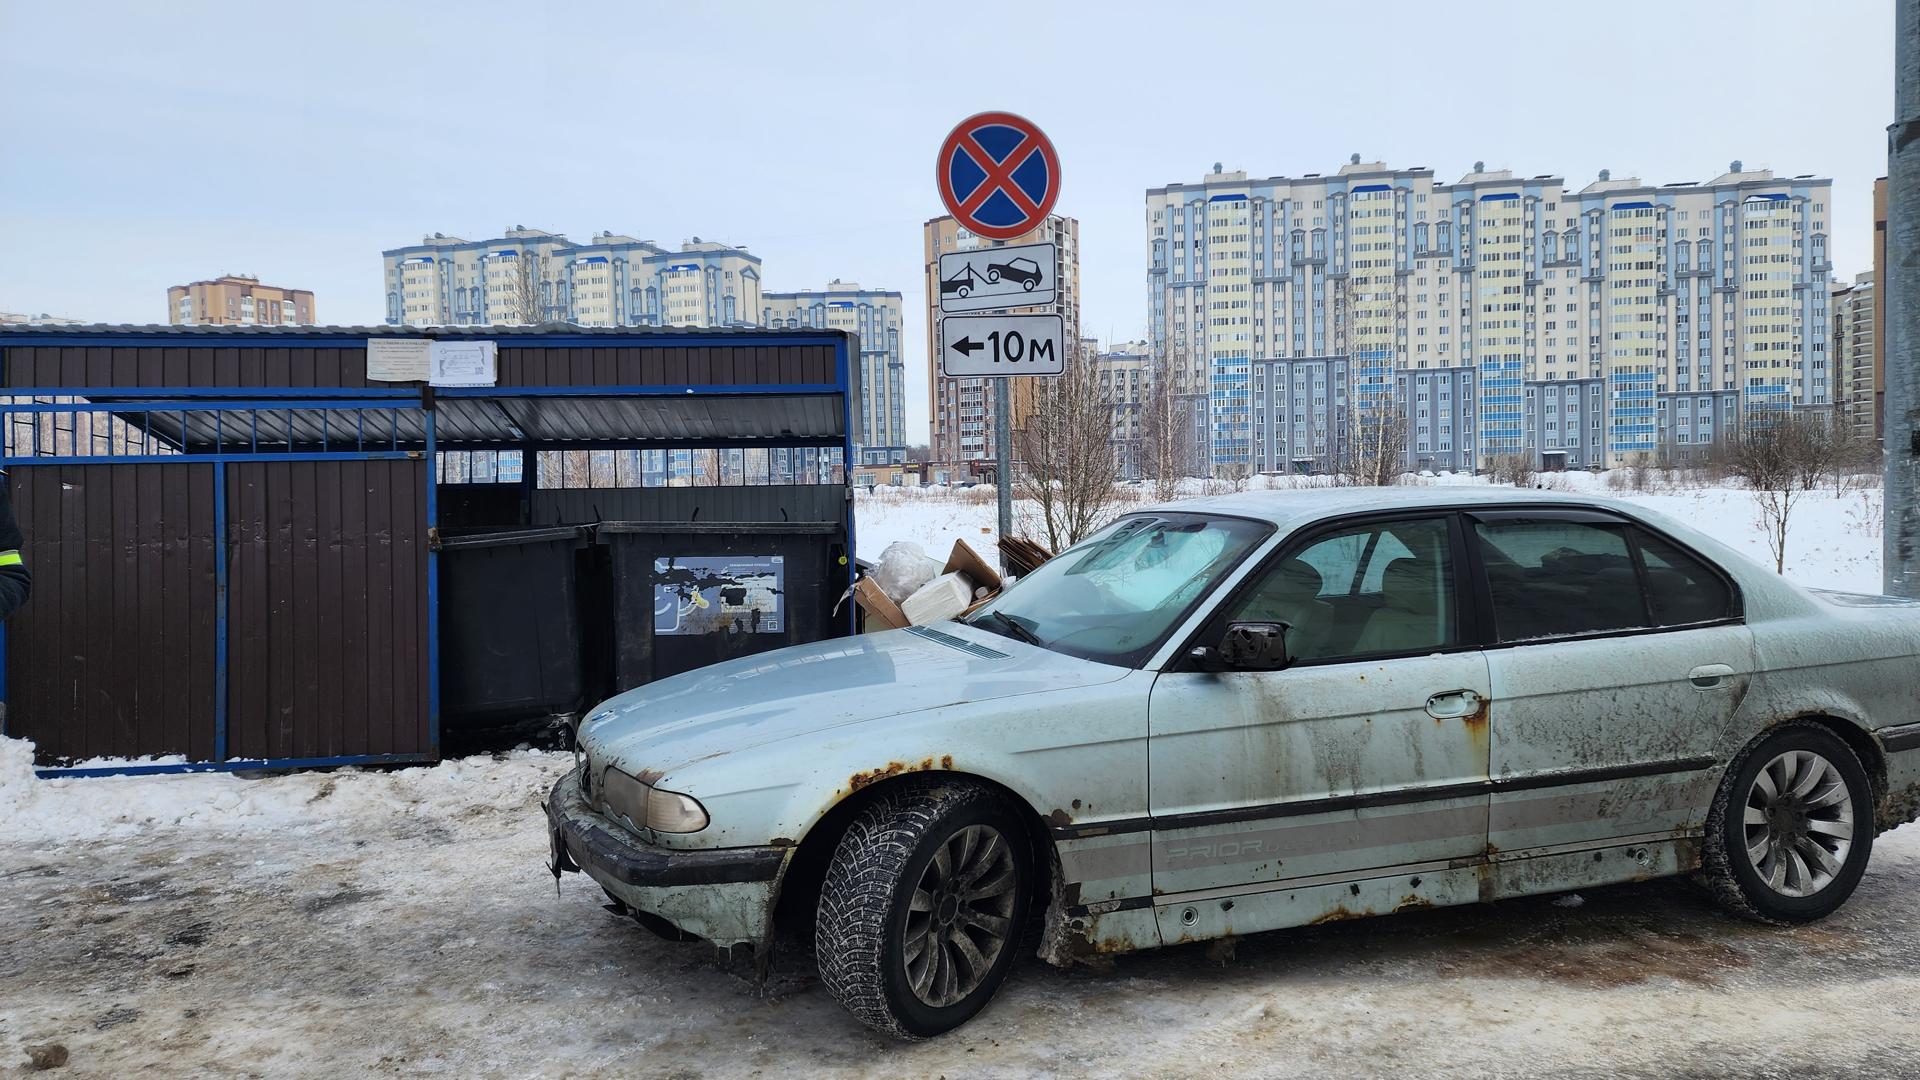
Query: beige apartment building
point(873, 316)
point(961, 410)
point(1499, 314)
point(1123, 371)
point(238, 299)
point(1856, 355)
point(533, 276)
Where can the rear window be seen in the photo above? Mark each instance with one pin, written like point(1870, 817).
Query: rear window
point(1560, 578)
point(1681, 588)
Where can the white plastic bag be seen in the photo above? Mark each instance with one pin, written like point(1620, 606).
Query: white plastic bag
point(904, 569)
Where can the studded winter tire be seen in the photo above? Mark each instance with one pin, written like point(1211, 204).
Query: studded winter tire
point(924, 906)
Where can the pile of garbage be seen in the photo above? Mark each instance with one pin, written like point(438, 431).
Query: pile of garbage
point(908, 587)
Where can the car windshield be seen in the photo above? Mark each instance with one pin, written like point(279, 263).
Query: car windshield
point(1115, 596)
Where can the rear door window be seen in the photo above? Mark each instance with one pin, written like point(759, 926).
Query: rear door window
point(1553, 578)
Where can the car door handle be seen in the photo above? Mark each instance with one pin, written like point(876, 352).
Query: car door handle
point(1709, 676)
point(1453, 703)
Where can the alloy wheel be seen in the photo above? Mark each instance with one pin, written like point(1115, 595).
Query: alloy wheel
point(959, 915)
point(1799, 823)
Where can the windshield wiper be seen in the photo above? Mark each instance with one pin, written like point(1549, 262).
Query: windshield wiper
point(1015, 628)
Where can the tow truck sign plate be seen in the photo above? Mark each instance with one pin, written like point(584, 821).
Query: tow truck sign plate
point(997, 346)
point(1001, 277)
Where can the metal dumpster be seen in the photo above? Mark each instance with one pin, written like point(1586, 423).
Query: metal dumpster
point(510, 639)
point(685, 595)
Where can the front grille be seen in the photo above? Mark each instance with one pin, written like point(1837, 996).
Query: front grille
point(586, 781)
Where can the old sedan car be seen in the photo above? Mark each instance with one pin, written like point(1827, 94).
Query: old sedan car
point(1259, 711)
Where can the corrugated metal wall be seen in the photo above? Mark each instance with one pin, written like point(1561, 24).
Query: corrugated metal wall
point(285, 366)
point(327, 613)
point(114, 655)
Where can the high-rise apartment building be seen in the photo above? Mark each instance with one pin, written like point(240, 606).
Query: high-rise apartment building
point(238, 299)
point(961, 410)
point(529, 275)
point(1856, 355)
point(1124, 371)
point(874, 316)
point(1495, 315)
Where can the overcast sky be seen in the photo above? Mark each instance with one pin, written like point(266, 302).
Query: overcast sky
point(147, 144)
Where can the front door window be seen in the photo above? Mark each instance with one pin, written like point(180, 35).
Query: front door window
point(1368, 591)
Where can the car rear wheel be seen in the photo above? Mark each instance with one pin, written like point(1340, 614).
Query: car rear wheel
point(923, 907)
point(1791, 827)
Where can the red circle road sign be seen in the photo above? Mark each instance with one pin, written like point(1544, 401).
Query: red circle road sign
point(998, 175)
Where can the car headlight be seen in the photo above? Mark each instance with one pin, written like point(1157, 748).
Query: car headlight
point(643, 806)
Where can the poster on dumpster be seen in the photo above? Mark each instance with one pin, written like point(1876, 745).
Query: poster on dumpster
point(737, 594)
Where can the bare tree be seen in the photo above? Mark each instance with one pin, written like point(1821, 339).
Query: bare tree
point(1376, 444)
point(1516, 469)
point(1165, 425)
point(1782, 457)
point(1069, 474)
point(525, 305)
point(1856, 457)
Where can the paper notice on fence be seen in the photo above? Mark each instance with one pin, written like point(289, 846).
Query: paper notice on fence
point(463, 363)
point(397, 359)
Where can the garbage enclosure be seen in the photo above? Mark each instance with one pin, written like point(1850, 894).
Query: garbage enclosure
point(510, 641)
point(285, 547)
point(686, 595)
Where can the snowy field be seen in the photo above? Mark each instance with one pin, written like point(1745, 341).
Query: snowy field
point(1834, 540)
point(403, 923)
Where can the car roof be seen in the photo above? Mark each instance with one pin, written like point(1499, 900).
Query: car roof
point(1299, 506)
point(1767, 594)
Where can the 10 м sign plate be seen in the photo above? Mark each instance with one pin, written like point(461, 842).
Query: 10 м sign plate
point(996, 346)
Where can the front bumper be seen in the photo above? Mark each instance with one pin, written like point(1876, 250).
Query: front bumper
point(724, 895)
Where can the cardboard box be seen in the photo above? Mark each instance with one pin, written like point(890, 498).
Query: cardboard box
point(967, 561)
point(881, 612)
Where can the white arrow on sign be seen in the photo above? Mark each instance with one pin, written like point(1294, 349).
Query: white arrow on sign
point(1001, 277)
point(998, 346)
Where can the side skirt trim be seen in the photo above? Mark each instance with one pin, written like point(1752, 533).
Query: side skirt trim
point(1396, 797)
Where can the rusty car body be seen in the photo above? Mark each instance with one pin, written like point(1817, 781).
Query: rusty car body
point(1349, 702)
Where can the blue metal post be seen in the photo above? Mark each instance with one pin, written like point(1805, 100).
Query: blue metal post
point(433, 597)
point(842, 373)
point(219, 611)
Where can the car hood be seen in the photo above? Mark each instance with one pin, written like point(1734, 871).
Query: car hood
point(754, 700)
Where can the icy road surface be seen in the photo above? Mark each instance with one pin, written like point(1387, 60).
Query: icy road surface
point(402, 923)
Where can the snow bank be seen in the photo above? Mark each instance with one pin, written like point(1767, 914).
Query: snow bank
point(51, 812)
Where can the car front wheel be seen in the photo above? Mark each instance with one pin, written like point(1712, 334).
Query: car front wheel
point(1791, 827)
point(923, 907)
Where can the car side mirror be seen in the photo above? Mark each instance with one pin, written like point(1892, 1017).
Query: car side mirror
point(1249, 646)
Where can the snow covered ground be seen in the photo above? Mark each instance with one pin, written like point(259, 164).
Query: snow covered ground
point(403, 923)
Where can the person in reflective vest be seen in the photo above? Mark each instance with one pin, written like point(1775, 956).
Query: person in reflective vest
point(15, 582)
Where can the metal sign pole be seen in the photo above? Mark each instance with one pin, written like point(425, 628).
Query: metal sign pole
point(1003, 455)
point(1900, 338)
